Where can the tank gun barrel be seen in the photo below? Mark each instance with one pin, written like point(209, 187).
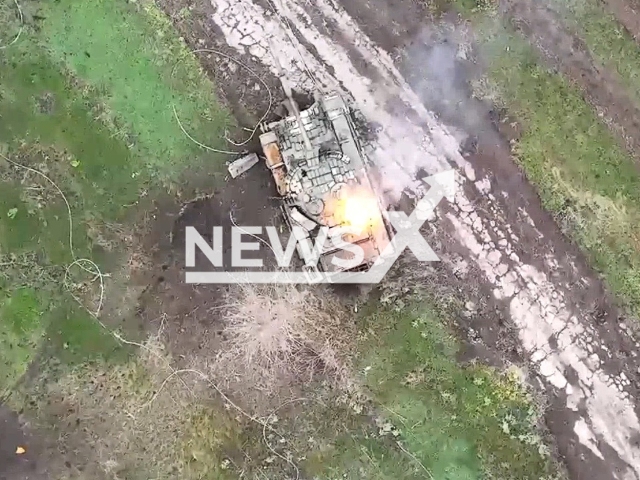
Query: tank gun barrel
point(288, 91)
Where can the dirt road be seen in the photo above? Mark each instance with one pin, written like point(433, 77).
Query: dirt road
point(539, 303)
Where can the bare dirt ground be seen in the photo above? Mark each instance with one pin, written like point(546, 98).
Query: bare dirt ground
point(192, 315)
point(535, 300)
point(13, 435)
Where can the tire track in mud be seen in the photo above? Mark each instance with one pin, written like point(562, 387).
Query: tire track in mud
point(264, 34)
point(589, 368)
point(593, 394)
point(568, 54)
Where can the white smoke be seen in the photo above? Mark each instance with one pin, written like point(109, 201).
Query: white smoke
point(410, 139)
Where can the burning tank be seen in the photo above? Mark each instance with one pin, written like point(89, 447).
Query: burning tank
point(319, 167)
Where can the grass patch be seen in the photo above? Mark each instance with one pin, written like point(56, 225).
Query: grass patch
point(86, 97)
point(582, 174)
point(18, 228)
point(606, 39)
point(74, 336)
point(425, 412)
point(132, 55)
point(460, 422)
point(324, 436)
point(21, 332)
point(38, 320)
point(134, 425)
point(93, 105)
point(80, 154)
point(584, 177)
point(343, 442)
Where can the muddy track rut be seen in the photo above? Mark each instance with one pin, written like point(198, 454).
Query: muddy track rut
point(537, 288)
point(567, 53)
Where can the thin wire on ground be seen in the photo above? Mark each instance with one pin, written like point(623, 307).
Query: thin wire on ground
point(257, 125)
point(233, 221)
point(94, 269)
point(200, 144)
point(17, 37)
point(415, 459)
point(258, 77)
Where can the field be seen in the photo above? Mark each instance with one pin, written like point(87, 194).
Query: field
point(114, 135)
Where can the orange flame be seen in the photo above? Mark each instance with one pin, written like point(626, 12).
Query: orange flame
point(358, 208)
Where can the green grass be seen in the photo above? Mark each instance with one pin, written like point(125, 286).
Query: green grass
point(143, 70)
point(583, 175)
point(326, 436)
point(87, 97)
point(606, 39)
point(18, 228)
point(329, 436)
point(462, 423)
point(39, 320)
point(21, 332)
point(97, 188)
point(35, 322)
point(75, 337)
point(348, 444)
point(423, 410)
